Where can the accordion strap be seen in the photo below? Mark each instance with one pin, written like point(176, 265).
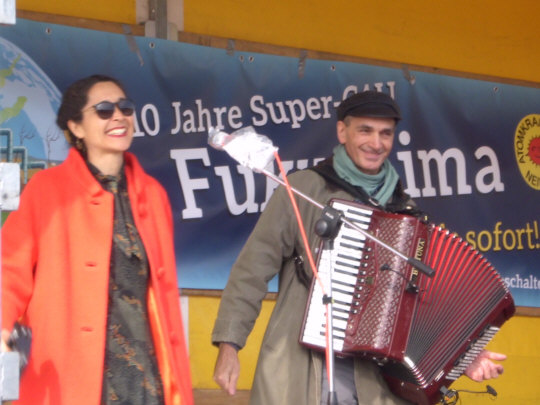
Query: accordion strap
point(300, 270)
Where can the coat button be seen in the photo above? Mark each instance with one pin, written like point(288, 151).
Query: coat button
point(143, 212)
point(160, 272)
point(173, 338)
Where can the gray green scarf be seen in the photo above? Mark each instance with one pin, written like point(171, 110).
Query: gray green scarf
point(379, 186)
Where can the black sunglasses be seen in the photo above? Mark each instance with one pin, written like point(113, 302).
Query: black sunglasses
point(105, 109)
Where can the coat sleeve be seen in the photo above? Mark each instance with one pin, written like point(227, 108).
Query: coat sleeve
point(261, 258)
point(19, 255)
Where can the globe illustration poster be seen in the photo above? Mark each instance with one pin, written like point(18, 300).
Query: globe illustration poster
point(29, 101)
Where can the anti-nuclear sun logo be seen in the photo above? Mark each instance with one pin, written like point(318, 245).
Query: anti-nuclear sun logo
point(527, 148)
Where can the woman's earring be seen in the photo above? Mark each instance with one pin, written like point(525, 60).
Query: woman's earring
point(79, 144)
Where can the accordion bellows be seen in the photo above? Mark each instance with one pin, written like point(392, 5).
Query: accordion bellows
point(422, 331)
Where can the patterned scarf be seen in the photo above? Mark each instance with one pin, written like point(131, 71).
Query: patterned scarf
point(380, 186)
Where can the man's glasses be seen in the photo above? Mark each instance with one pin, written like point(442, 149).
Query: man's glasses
point(105, 109)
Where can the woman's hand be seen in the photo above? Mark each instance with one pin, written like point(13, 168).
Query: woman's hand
point(5, 338)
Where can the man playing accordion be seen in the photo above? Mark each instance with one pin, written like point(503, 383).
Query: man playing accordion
point(287, 372)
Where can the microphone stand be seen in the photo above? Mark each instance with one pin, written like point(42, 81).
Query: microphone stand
point(332, 394)
point(327, 228)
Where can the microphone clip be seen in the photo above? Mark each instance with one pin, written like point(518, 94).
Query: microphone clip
point(327, 227)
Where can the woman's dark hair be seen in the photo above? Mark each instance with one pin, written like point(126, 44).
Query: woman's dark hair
point(74, 99)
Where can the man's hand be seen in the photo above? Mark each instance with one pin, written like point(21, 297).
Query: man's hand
point(483, 368)
point(227, 368)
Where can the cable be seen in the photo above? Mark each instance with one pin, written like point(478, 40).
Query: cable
point(451, 397)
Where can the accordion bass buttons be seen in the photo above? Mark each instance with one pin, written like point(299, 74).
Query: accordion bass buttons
point(380, 361)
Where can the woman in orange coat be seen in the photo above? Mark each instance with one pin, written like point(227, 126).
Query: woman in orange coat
point(88, 264)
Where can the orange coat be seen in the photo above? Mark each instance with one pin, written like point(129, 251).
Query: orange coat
point(55, 268)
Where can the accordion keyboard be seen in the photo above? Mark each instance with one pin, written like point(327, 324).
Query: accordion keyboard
point(339, 269)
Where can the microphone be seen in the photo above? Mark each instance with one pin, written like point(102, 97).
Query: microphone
point(247, 147)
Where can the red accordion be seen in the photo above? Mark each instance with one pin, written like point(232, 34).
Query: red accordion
point(422, 331)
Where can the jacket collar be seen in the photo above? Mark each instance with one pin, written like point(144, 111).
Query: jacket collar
point(77, 166)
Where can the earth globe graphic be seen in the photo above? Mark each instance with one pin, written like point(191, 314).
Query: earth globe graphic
point(29, 101)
